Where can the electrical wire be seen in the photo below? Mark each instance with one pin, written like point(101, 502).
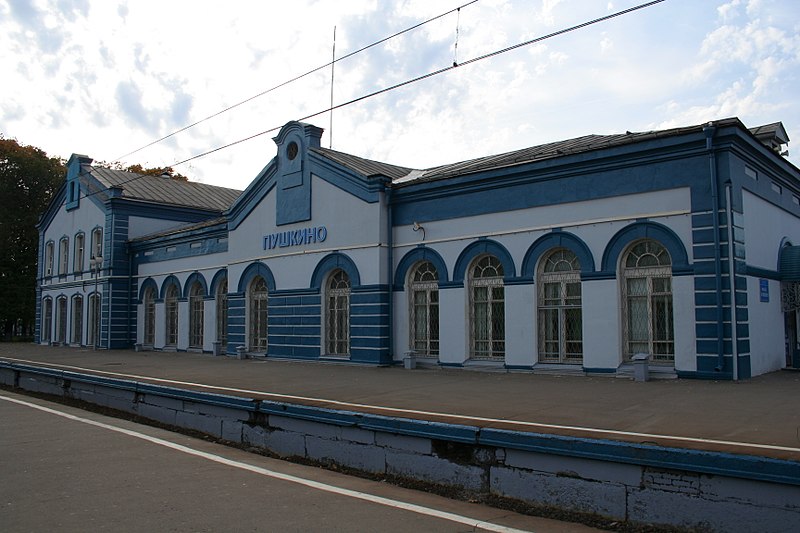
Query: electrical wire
point(430, 75)
point(292, 80)
point(416, 79)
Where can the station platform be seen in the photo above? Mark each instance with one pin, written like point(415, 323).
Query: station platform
point(758, 417)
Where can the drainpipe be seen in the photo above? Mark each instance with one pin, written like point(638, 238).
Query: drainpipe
point(390, 267)
point(709, 132)
point(732, 278)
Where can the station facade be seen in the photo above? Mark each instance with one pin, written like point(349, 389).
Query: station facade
point(574, 256)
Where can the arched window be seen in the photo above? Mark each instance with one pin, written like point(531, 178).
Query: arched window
point(93, 333)
point(171, 308)
point(337, 313)
point(77, 260)
point(647, 302)
point(424, 309)
point(63, 256)
point(222, 312)
point(61, 319)
point(196, 315)
point(258, 299)
point(97, 242)
point(149, 301)
point(47, 319)
point(48, 259)
point(487, 309)
point(560, 321)
point(77, 319)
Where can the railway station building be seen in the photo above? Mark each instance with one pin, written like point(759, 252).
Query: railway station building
point(575, 256)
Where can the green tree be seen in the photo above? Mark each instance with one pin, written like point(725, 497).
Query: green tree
point(28, 180)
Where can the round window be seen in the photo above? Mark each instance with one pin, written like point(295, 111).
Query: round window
point(291, 150)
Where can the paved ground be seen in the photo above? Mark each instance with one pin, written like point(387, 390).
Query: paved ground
point(760, 416)
point(68, 470)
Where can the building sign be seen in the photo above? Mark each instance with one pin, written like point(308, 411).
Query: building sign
point(297, 237)
point(764, 289)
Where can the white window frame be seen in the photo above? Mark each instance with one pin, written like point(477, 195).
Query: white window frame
point(560, 269)
point(63, 256)
point(196, 315)
point(149, 318)
point(171, 315)
point(423, 299)
point(62, 306)
point(46, 331)
point(653, 267)
point(78, 253)
point(493, 347)
point(49, 251)
point(97, 242)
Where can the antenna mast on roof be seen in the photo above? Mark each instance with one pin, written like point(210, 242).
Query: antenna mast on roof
point(333, 62)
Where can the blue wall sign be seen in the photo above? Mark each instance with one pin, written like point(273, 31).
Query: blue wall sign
point(297, 237)
point(764, 289)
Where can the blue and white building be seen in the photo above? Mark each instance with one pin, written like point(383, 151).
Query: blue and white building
point(573, 256)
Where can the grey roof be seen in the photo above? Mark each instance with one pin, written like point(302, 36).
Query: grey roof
point(165, 190)
point(365, 167)
point(401, 176)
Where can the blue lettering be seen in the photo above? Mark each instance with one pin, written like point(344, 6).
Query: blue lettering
point(297, 237)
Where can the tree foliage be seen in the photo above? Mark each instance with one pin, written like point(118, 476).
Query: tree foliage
point(139, 169)
point(28, 180)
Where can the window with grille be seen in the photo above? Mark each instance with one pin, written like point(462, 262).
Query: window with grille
point(77, 260)
point(93, 330)
point(48, 258)
point(61, 319)
point(47, 319)
point(171, 314)
point(337, 313)
point(63, 256)
point(222, 312)
point(560, 313)
point(647, 302)
point(196, 315)
point(258, 299)
point(487, 309)
point(77, 320)
point(424, 308)
point(149, 316)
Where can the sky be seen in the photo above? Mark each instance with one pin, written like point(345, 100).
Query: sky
point(104, 78)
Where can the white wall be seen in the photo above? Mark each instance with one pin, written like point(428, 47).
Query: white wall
point(766, 319)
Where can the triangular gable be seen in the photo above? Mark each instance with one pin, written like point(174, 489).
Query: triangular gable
point(289, 174)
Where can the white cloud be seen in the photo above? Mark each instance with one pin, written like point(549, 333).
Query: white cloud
point(125, 73)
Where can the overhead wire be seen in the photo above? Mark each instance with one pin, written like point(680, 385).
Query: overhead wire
point(417, 79)
point(296, 78)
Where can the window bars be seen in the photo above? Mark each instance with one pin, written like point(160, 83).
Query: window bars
point(77, 319)
point(222, 312)
point(560, 312)
point(790, 296)
point(337, 316)
point(487, 309)
point(424, 310)
point(196, 316)
point(647, 302)
point(171, 304)
point(61, 320)
point(149, 316)
point(259, 317)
